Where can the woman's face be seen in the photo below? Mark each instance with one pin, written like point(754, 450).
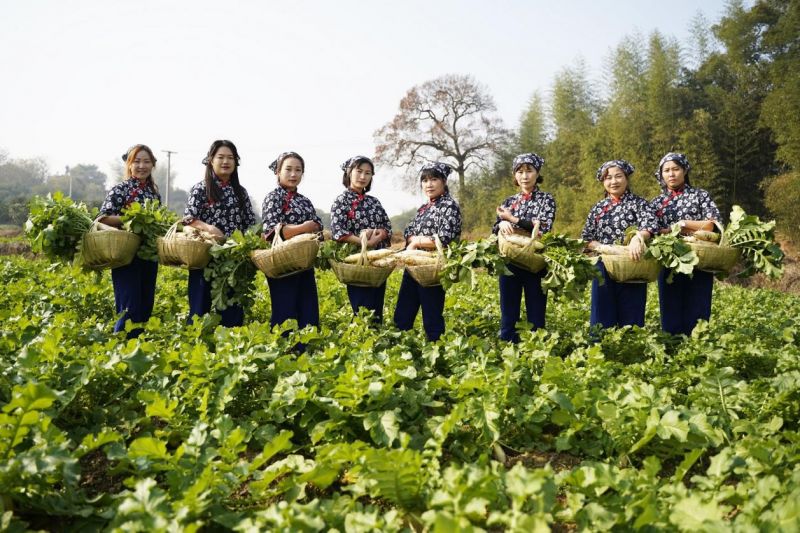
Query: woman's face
point(674, 175)
point(223, 163)
point(290, 173)
point(142, 165)
point(526, 176)
point(361, 176)
point(615, 182)
point(432, 186)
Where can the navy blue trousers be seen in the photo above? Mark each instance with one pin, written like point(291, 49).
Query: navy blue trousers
point(511, 290)
point(134, 292)
point(200, 301)
point(617, 304)
point(369, 298)
point(411, 297)
point(684, 301)
point(294, 297)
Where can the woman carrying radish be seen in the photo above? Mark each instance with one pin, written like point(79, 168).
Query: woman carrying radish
point(354, 212)
point(518, 214)
point(295, 296)
point(440, 216)
point(134, 283)
point(613, 303)
point(688, 298)
point(218, 205)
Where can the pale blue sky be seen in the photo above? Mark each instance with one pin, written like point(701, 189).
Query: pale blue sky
point(83, 80)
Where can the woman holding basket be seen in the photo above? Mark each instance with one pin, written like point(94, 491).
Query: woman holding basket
point(134, 283)
point(440, 216)
point(294, 296)
point(354, 212)
point(218, 205)
point(613, 303)
point(518, 214)
point(688, 298)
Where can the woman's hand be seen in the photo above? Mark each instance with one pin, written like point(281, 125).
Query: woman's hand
point(505, 214)
point(506, 227)
point(636, 247)
point(202, 226)
point(376, 236)
point(420, 242)
point(111, 220)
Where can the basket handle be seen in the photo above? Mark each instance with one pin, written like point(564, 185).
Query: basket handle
point(171, 231)
point(277, 240)
point(534, 235)
point(362, 259)
point(723, 241)
point(439, 248)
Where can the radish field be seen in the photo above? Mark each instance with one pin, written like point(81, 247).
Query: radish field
point(205, 428)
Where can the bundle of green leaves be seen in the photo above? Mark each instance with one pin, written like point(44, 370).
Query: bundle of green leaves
point(756, 239)
point(231, 271)
point(56, 225)
point(464, 257)
point(569, 270)
point(149, 220)
point(672, 252)
point(334, 250)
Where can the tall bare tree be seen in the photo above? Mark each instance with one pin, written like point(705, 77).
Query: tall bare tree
point(452, 119)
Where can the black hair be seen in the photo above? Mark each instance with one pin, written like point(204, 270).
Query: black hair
point(213, 191)
point(539, 177)
point(431, 173)
point(355, 164)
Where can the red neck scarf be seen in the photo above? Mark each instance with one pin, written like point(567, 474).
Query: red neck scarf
point(523, 197)
point(612, 203)
point(359, 198)
point(288, 200)
point(674, 193)
point(427, 206)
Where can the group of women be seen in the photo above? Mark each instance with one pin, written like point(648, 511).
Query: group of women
point(220, 206)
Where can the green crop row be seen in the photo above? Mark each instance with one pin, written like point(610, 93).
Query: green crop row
point(372, 429)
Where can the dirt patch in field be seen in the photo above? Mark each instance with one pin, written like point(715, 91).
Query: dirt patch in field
point(14, 248)
point(789, 282)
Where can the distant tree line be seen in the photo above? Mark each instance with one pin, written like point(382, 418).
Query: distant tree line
point(729, 98)
point(20, 179)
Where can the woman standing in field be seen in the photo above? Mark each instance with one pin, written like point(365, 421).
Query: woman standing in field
point(135, 283)
point(354, 212)
point(687, 299)
point(218, 205)
point(517, 214)
point(618, 304)
point(294, 296)
point(440, 216)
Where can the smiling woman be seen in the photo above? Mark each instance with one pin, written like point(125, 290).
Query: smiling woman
point(220, 206)
point(613, 303)
point(295, 296)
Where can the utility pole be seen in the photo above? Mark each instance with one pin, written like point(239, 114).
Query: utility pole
point(169, 156)
point(66, 171)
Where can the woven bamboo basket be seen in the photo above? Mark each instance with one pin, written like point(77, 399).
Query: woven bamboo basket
point(525, 257)
point(428, 275)
point(108, 248)
point(183, 253)
point(715, 257)
point(623, 269)
point(361, 274)
point(285, 257)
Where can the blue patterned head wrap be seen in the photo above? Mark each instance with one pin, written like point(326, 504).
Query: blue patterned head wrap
point(623, 165)
point(275, 165)
point(681, 160)
point(441, 170)
point(535, 160)
point(355, 161)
